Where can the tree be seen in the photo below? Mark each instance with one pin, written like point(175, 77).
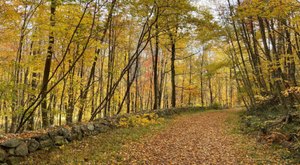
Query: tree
point(50, 52)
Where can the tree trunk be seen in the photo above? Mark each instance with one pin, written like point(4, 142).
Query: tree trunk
point(173, 84)
point(210, 91)
point(71, 101)
point(201, 79)
point(155, 65)
point(50, 52)
point(84, 93)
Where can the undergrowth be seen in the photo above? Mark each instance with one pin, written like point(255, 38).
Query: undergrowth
point(275, 127)
point(248, 145)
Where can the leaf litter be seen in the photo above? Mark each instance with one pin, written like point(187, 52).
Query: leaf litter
point(201, 138)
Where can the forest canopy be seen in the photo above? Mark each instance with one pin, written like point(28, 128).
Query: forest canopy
point(68, 61)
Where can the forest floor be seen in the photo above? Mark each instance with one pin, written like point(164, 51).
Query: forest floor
point(210, 137)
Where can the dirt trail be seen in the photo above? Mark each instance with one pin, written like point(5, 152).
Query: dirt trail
point(202, 138)
point(198, 138)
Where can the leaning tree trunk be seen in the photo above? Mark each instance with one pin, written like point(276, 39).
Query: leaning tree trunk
point(85, 91)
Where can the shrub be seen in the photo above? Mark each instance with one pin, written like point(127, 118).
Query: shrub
point(139, 120)
point(215, 106)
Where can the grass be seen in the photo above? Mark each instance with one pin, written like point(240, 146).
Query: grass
point(103, 148)
point(100, 149)
point(106, 148)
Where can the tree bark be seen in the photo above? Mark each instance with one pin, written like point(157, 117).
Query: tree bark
point(173, 72)
point(50, 52)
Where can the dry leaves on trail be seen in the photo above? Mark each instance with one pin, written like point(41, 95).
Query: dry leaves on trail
point(200, 138)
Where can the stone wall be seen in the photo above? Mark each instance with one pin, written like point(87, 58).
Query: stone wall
point(13, 150)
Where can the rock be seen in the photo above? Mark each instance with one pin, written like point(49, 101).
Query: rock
point(65, 133)
point(53, 134)
point(59, 140)
point(3, 155)
point(46, 143)
point(22, 149)
point(14, 160)
point(97, 128)
point(106, 121)
point(113, 122)
point(12, 143)
point(101, 128)
point(161, 113)
point(76, 133)
point(43, 137)
point(85, 130)
point(110, 122)
point(11, 151)
point(33, 145)
point(90, 127)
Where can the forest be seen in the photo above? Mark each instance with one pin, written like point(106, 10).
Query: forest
point(64, 62)
point(68, 61)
